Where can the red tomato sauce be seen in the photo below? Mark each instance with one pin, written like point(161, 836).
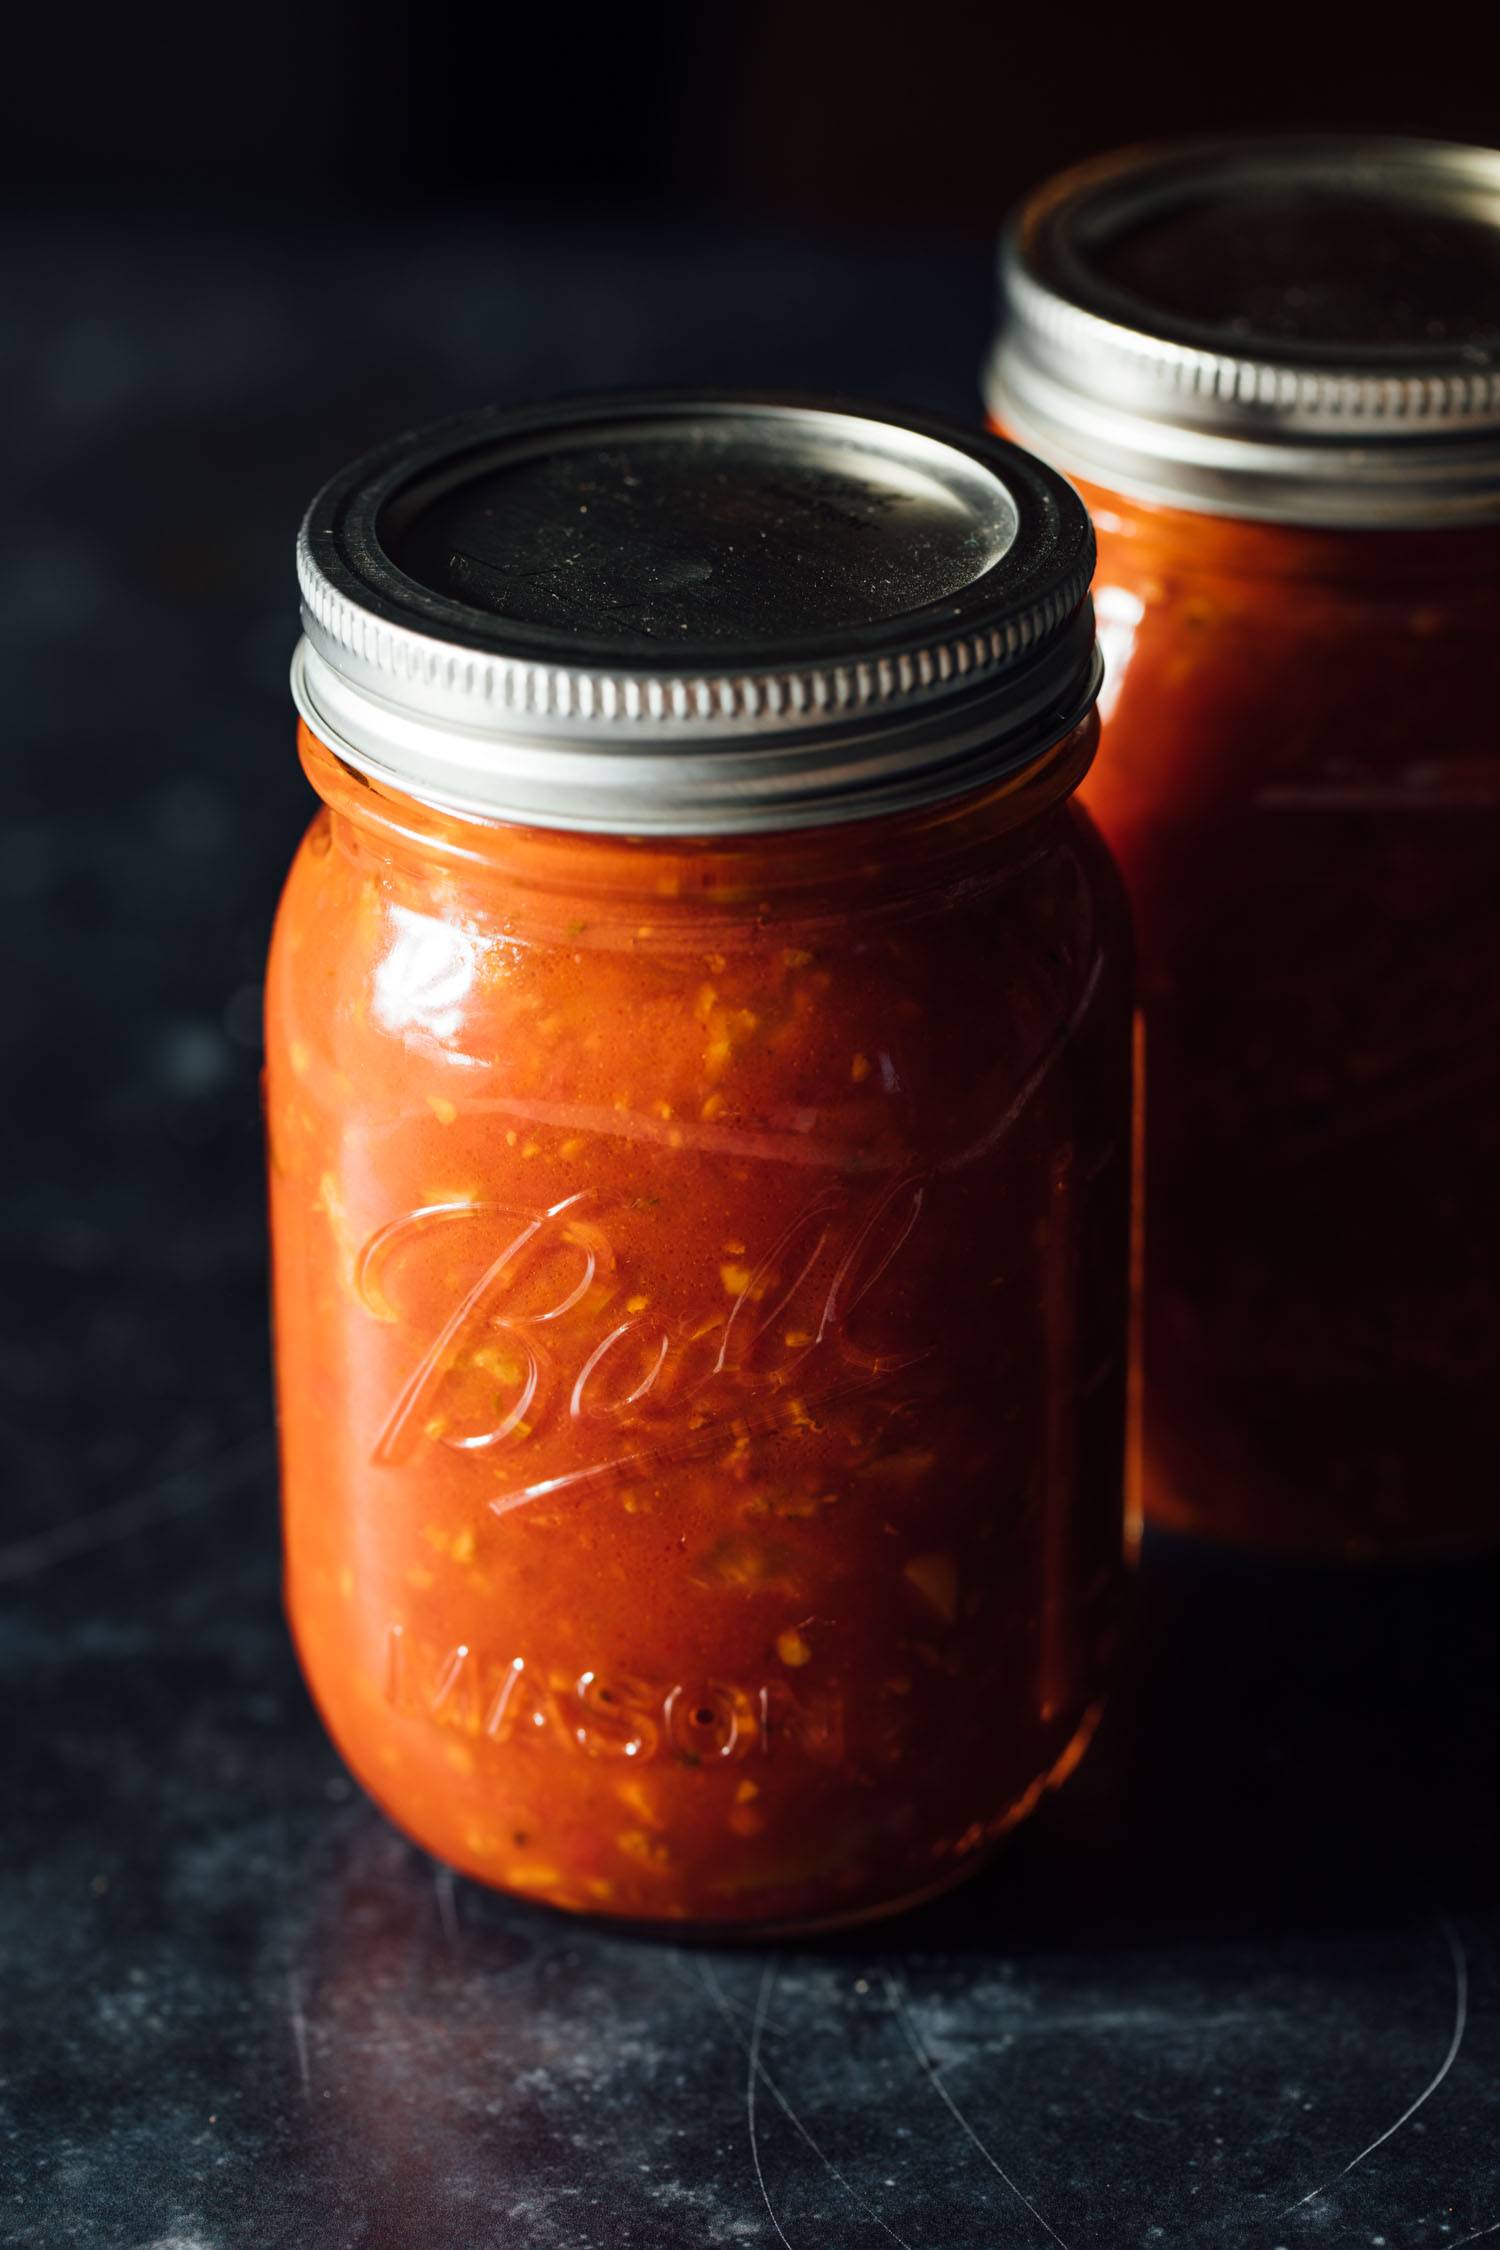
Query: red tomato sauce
point(1300, 776)
point(700, 1303)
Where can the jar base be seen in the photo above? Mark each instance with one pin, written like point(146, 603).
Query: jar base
point(693, 1931)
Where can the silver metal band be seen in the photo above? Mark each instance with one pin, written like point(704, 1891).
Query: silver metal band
point(654, 785)
point(1202, 412)
point(678, 614)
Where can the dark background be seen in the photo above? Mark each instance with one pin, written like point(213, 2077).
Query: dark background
point(880, 112)
point(236, 2012)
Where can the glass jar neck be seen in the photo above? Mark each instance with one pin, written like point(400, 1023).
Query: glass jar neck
point(1457, 558)
point(568, 878)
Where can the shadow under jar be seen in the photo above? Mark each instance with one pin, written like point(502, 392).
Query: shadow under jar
point(1273, 369)
point(699, 1109)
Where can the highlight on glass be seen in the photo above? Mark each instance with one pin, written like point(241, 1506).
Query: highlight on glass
point(699, 1098)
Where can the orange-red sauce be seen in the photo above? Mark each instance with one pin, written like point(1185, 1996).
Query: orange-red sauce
point(1300, 776)
point(700, 1308)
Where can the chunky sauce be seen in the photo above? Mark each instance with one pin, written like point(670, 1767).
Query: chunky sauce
point(700, 1302)
point(1301, 779)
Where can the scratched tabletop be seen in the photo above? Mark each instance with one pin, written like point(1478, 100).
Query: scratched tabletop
point(1239, 1984)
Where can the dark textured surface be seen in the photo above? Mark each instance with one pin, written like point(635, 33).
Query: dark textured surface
point(236, 2011)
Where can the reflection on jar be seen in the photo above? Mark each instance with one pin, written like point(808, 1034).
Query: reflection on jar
point(701, 1313)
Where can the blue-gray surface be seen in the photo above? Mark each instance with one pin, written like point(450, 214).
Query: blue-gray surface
point(1238, 1984)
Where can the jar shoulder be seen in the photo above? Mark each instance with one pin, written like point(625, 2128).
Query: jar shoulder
point(1220, 687)
point(1189, 613)
point(384, 983)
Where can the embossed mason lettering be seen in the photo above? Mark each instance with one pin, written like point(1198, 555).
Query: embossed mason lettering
point(615, 1715)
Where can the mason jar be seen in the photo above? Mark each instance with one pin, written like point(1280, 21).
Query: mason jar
point(1273, 370)
point(699, 1103)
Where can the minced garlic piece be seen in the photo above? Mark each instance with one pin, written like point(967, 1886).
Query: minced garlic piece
point(641, 1802)
point(636, 1844)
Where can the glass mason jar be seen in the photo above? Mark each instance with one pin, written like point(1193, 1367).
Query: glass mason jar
point(699, 1111)
point(1274, 372)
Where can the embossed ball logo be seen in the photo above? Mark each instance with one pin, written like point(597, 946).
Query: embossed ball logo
point(551, 1337)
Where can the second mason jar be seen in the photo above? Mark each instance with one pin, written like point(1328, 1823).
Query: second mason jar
point(699, 1110)
point(1274, 369)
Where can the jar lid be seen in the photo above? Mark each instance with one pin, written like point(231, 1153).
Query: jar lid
point(1304, 330)
point(690, 614)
